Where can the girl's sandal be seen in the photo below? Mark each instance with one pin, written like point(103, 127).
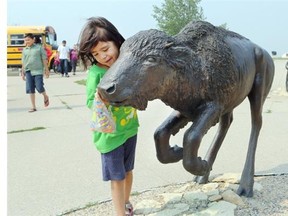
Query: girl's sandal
point(32, 110)
point(46, 102)
point(129, 209)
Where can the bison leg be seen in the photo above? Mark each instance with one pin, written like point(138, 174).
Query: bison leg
point(247, 178)
point(193, 137)
point(224, 124)
point(257, 96)
point(171, 125)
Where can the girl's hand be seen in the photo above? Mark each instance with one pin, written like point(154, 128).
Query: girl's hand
point(47, 73)
point(23, 75)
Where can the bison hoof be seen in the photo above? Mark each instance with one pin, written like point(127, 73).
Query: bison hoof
point(247, 192)
point(202, 179)
point(196, 166)
point(176, 152)
point(177, 149)
point(173, 155)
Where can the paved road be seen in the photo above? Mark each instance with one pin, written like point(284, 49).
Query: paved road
point(57, 169)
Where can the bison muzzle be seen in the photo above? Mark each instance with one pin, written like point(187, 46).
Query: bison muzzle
point(203, 73)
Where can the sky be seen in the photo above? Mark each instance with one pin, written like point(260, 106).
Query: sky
point(262, 21)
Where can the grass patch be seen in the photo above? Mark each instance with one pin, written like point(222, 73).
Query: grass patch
point(26, 130)
point(135, 193)
point(67, 106)
point(81, 82)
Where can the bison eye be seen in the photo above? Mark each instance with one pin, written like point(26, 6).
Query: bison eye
point(150, 59)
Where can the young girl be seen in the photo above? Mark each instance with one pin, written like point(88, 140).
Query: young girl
point(99, 46)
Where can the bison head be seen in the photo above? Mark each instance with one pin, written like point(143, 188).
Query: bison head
point(146, 69)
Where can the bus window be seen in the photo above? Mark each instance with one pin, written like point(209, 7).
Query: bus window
point(17, 39)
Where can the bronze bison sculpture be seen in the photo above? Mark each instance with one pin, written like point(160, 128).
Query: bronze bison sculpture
point(203, 73)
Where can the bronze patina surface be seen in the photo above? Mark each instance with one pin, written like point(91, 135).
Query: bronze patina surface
point(203, 73)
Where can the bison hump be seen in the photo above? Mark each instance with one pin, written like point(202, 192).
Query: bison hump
point(210, 45)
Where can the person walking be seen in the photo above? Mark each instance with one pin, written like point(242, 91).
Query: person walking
point(34, 65)
point(64, 56)
point(74, 58)
point(99, 47)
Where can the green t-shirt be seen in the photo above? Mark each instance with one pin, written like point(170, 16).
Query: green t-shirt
point(125, 117)
point(32, 59)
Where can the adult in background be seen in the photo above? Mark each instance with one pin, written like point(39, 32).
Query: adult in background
point(34, 65)
point(74, 58)
point(64, 56)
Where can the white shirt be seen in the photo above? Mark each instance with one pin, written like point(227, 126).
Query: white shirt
point(63, 52)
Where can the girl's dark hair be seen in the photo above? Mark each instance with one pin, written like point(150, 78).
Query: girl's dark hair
point(29, 35)
point(96, 29)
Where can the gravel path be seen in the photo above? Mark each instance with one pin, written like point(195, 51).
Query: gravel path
point(271, 200)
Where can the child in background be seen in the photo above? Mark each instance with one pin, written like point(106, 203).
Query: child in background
point(34, 67)
point(99, 46)
point(57, 63)
point(74, 58)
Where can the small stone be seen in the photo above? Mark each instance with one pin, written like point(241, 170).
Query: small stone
point(210, 186)
point(215, 198)
point(172, 197)
point(233, 178)
point(232, 197)
point(147, 207)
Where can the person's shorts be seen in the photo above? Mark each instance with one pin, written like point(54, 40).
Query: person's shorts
point(33, 82)
point(117, 163)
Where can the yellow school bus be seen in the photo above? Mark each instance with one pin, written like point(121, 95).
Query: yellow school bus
point(15, 43)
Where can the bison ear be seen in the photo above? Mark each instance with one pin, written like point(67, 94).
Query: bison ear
point(178, 55)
